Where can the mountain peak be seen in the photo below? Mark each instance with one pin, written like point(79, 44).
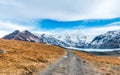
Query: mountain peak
point(16, 31)
point(24, 36)
point(25, 31)
point(108, 40)
point(12, 35)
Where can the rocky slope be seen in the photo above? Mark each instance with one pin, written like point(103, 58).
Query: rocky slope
point(24, 36)
point(109, 40)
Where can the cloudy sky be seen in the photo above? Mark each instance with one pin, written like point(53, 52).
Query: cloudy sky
point(54, 16)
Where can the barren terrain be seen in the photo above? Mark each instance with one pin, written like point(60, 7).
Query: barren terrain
point(26, 58)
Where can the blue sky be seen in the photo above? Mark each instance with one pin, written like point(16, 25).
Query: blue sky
point(49, 24)
point(54, 16)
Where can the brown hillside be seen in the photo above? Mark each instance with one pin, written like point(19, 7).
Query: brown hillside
point(107, 65)
point(26, 58)
point(104, 59)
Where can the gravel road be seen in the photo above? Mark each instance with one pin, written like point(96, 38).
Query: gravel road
point(70, 64)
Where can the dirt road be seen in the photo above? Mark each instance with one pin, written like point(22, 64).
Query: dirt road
point(70, 64)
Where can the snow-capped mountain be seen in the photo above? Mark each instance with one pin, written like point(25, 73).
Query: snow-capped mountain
point(72, 39)
point(65, 40)
point(49, 39)
point(109, 40)
point(24, 36)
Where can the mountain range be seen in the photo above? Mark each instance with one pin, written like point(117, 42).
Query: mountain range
point(109, 40)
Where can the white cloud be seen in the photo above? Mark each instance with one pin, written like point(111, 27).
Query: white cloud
point(8, 27)
point(3, 33)
point(59, 9)
point(11, 26)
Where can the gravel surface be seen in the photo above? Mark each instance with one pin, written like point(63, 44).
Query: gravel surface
point(70, 64)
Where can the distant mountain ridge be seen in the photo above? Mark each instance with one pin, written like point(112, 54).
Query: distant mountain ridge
point(109, 40)
point(24, 36)
point(48, 39)
point(67, 40)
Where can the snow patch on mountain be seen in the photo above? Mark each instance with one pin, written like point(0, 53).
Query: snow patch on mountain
point(108, 40)
point(71, 39)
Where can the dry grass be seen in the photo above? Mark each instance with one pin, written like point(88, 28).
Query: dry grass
point(106, 65)
point(104, 59)
point(26, 58)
